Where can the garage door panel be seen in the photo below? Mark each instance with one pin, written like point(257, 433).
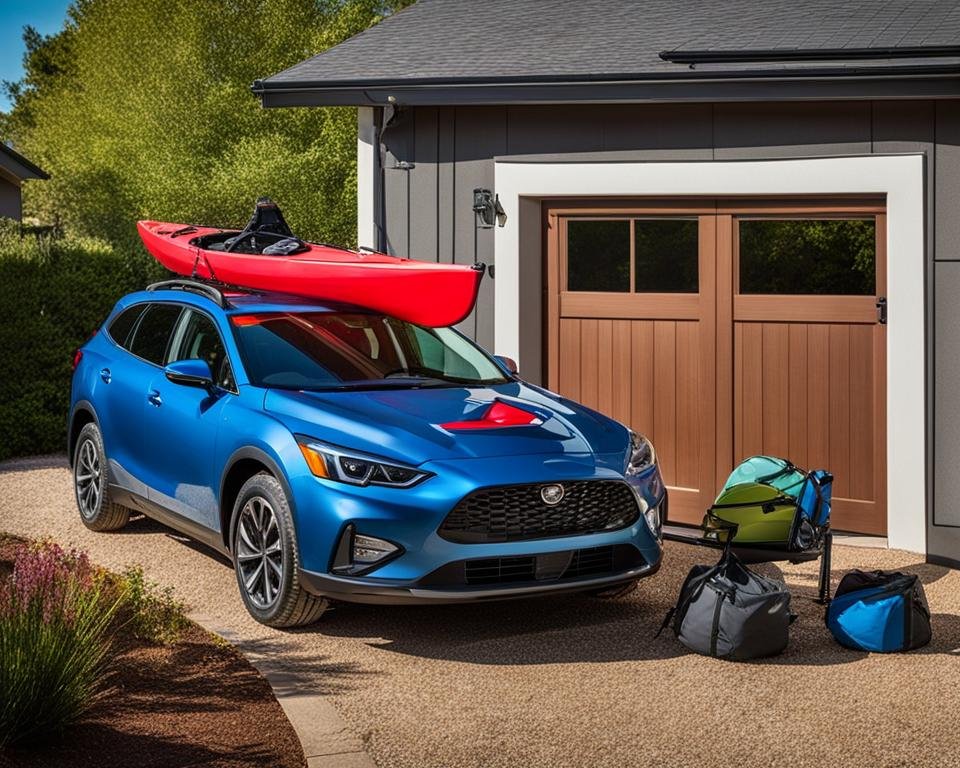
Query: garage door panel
point(646, 374)
point(605, 366)
point(689, 408)
point(798, 372)
point(665, 396)
point(862, 439)
point(749, 383)
point(839, 408)
point(569, 364)
point(620, 368)
point(774, 367)
point(807, 391)
point(642, 376)
point(818, 396)
point(589, 363)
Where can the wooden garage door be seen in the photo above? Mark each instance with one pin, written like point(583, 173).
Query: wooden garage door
point(723, 329)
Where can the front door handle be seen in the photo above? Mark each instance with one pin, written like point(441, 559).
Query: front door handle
point(105, 375)
point(154, 398)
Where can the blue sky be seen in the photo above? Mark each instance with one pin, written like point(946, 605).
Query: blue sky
point(46, 15)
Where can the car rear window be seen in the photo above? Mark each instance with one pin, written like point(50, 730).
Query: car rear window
point(152, 336)
point(123, 323)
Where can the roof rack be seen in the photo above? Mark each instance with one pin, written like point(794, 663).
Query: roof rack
point(195, 286)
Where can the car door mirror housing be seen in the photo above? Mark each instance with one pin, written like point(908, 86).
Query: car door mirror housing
point(190, 373)
point(508, 363)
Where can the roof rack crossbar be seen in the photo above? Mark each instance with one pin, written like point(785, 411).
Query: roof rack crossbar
point(195, 286)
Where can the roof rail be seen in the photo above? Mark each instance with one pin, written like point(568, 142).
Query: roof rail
point(194, 286)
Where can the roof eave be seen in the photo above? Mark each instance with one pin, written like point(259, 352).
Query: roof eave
point(892, 83)
point(16, 164)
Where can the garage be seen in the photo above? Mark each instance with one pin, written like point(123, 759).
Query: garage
point(725, 328)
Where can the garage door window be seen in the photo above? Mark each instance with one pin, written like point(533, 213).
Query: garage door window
point(598, 256)
point(665, 255)
point(641, 255)
point(808, 256)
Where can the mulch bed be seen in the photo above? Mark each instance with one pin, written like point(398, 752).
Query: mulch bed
point(195, 702)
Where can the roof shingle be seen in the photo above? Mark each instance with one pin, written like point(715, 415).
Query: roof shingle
point(461, 40)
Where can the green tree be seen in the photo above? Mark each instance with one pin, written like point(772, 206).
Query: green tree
point(142, 109)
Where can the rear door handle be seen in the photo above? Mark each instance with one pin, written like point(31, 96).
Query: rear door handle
point(105, 375)
point(154, 398)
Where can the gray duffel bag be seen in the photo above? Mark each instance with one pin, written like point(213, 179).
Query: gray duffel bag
point(729, 612)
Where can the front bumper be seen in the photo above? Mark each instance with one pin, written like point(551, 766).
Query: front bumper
point(380, 592)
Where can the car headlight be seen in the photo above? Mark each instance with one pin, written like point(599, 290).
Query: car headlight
point(334, 463)
point(642, 455)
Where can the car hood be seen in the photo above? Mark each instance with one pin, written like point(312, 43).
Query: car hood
point(405, 425)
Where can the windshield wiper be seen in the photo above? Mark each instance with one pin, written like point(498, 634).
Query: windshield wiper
point(411, 382)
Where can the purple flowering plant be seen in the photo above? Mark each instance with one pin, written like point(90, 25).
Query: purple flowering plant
point(56, 610)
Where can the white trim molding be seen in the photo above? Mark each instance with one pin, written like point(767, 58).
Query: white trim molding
point(366, 184)
point(899, 177)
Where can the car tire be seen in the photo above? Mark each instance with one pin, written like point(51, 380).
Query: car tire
point(618, 590)
point(98, 511)
point(266, 558)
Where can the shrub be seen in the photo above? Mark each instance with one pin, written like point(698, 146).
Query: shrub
point(173, 132)
point(54, 619)
point(150, 612)
point(54, 294)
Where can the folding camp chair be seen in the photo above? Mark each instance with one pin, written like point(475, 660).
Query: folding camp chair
point(771, 511)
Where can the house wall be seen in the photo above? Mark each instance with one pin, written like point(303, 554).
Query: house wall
point(9, 200)
point(452, 149)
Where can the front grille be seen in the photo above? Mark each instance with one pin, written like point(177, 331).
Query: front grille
point(518, 513)
point(504, 570)
point(588, 562)
point(567, 565)
point(500, 570)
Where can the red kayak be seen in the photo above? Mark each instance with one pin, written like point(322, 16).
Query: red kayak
point(266, 257)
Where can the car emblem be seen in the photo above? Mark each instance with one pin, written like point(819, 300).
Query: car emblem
point(552, 494)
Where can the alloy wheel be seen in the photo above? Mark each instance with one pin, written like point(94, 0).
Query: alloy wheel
point(259, 552)
point(88, 478)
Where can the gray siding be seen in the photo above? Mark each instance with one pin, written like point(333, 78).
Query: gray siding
point(9, 200)
point(943, 348)
point(453, 149)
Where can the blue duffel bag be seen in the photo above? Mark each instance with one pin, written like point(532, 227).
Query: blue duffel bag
point(883, 611)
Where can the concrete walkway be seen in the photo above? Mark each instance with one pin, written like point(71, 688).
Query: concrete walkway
point(326, 738)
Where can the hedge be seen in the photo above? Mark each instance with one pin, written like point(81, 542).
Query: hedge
point(54, 293)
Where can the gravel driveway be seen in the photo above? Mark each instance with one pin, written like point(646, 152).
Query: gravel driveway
point(569, 681)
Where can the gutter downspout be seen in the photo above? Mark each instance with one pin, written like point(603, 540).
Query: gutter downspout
point(379, 185)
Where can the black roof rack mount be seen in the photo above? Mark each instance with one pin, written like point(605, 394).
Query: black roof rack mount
point(194, 286)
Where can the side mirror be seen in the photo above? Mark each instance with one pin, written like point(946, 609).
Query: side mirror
point(509, 363)
point(190, 373)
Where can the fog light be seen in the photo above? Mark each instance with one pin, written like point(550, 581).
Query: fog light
point(654, 523)
point(368, 550)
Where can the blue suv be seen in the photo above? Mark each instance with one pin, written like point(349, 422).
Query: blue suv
point(334, 453)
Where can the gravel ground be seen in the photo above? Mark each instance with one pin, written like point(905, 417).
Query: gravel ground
point(568, 681)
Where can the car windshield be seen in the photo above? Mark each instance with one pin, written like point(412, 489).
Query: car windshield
point(342, 350)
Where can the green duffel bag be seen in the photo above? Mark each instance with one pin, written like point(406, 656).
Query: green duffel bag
point(768, 502)
point(760, 513)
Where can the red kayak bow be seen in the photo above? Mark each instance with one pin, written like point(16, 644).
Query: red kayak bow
point(419, 292)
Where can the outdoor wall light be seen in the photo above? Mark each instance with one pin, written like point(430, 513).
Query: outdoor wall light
point(487, 208)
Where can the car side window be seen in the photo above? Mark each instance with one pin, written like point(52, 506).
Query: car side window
point(152, 336)
point(199, 339)
point(123, 323)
